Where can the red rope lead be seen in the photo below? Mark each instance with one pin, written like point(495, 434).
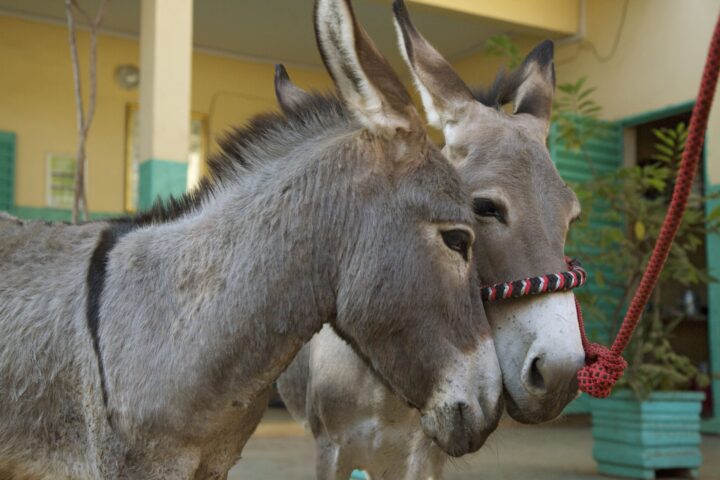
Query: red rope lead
point(605, 366)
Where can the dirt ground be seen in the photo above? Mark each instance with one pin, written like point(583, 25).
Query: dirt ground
point(281, 450)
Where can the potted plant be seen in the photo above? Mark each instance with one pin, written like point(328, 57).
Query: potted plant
point(652, 421)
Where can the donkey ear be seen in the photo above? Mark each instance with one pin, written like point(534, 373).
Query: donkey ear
point(289, 95)
point(444, 94)
point(536, 87)
point(369, 86)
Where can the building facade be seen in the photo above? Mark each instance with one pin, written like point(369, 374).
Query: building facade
point(206, 67)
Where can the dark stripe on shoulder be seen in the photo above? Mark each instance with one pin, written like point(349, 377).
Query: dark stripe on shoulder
point(97, 271)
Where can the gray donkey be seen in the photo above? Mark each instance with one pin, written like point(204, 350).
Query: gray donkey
point(523, 211)
point(144, 347)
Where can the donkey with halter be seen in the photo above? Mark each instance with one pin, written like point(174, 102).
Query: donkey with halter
point(144, 347)
point(523, 211)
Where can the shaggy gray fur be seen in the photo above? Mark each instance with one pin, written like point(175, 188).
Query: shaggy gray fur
point(200, 314)
point(503, 160)
point(312, 218)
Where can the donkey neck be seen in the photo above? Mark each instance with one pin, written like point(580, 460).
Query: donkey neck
point(221, 300)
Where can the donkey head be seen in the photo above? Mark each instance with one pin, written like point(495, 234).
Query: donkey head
point(523, 211)
point(406, 290)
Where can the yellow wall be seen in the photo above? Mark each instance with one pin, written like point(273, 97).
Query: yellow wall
point(555, 15)
point(230, 91)
point(37, 103)
point(658, 61)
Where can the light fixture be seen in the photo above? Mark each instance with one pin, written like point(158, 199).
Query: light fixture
point(127, 76)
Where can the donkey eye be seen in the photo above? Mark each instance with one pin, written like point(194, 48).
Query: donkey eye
point(484, 207)
point(458, 240)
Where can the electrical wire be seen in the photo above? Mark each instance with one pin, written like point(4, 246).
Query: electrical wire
point(616, 40)
point(588, 45)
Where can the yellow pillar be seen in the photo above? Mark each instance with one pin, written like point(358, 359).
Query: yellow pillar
point(165, 81)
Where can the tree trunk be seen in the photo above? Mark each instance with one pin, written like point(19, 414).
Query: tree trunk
point(80, 206)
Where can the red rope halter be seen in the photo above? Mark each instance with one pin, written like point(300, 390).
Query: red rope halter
point(604, 366)
point(574, 277)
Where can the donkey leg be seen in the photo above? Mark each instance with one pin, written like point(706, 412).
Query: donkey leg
point(205, 472)
point(425, 460)
point(161, 458)
point(218, 459)
point(224, 450)
point(437, 460)
point(331, 464)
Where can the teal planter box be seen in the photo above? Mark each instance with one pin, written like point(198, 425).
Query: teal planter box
point(637, 439)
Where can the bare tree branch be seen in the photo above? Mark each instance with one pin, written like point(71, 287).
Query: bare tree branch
point(81, 11)
point(80, 111)
point(93, 59)
point(78, 204)
point(83, 120)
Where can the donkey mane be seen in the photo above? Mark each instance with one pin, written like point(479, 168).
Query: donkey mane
point(503, 89)
point(266, 137)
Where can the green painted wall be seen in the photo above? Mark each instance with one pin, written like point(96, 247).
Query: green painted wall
point(668, 111)
point(161, 179)
point(7, 170)
point(607, 154)
point(7, 189)
point(53, 214)
point(599, 156)
point(712, 244)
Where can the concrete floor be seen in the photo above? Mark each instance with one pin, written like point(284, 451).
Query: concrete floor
point(280, 450)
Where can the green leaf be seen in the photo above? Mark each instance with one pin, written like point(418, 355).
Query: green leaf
point(670, 152)
point(591, 111)
point(502, 46)
point(666, 136)
point(586, 92)
point(714, 214)
point(640, 230)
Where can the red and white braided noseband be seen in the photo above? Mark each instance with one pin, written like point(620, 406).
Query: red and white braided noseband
point(574, 277)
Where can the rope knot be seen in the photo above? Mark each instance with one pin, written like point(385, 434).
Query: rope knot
point(602, 370)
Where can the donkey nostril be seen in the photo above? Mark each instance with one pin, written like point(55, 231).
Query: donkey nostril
point(462, 412)
point(536, 379)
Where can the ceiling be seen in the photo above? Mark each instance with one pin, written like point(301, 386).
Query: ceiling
point(281, 30)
